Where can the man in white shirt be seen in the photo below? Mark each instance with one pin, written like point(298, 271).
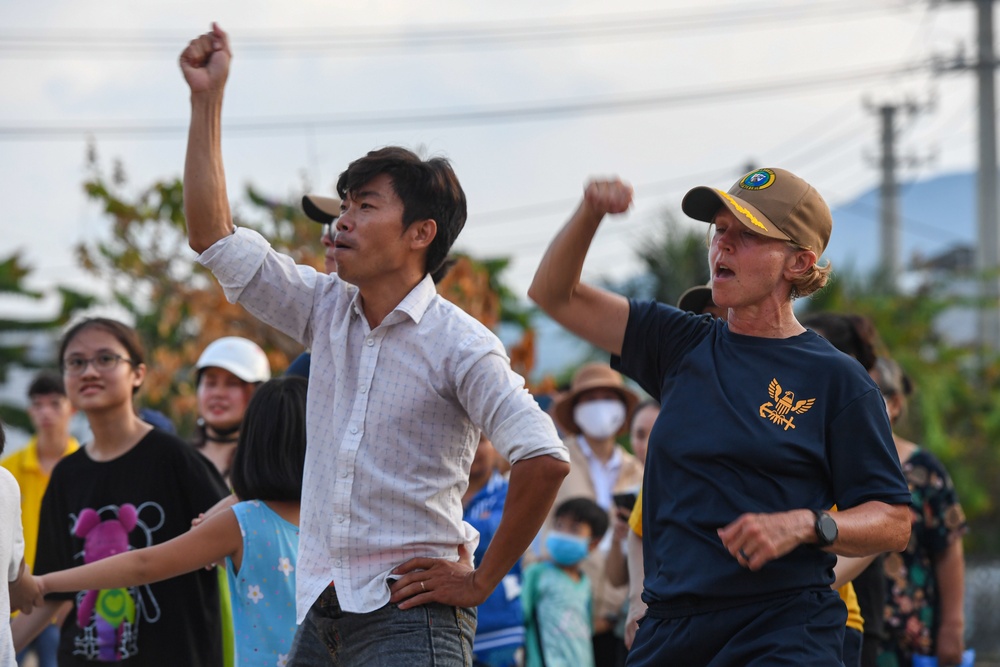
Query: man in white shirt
point(401, 384)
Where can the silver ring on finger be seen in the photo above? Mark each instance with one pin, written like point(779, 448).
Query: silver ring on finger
point(744, 554)
point(423, 587)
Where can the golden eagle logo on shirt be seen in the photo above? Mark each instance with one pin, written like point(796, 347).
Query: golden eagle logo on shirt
point(779, 410)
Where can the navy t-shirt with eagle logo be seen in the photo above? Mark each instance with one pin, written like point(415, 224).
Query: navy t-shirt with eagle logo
point(748, 424)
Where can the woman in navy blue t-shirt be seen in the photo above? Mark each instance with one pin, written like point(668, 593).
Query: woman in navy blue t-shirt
point(765, 428)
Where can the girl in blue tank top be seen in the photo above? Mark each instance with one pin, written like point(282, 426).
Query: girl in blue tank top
point(258, 538)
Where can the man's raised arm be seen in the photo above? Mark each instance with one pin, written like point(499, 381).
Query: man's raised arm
point(205, 64)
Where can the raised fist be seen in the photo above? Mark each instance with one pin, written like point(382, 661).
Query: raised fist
point(205, 61)
point(608, 196)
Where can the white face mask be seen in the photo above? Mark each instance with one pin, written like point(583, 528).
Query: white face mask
point(600, 419)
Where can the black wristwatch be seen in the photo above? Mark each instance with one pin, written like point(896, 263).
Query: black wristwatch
point(826, 528)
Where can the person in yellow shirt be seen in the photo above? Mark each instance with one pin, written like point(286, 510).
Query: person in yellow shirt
point(50, 412)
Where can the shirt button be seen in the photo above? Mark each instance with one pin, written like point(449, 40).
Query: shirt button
point(336, 563)
point(354, 429)
point(364, 390)
point(370, 342)
point(340, 519)
point(343, 473)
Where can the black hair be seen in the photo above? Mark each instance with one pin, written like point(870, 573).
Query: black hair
point(124, 334)
point(439, 274)
point(3, 438)
point(585, 510)
point(853, 335)
point(45, 383)
point(271, 451)
point(892, 379)
point(429, 189)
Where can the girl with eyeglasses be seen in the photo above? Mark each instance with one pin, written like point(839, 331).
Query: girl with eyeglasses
point(132, 486)
point(257, 538)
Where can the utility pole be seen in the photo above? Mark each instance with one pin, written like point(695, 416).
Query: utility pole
point(888, 163)
point(988, 250)
point(889, 195)
point(988, 246)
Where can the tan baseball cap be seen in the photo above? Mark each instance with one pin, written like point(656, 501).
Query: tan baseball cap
point(321, 209)
point(772, 202)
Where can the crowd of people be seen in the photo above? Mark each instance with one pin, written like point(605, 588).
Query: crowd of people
point(398, 497)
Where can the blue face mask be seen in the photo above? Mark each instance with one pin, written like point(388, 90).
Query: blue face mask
point(567, 549)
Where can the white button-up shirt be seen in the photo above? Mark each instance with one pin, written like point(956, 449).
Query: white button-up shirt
point(393, 418)
point(604, 475)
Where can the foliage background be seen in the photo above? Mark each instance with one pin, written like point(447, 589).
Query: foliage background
point(178, 308)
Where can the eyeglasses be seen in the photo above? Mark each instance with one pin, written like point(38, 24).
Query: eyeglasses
point(329, 230)
point(103, 363)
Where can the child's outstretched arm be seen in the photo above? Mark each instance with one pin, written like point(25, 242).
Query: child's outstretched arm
point(223, 504)
point(218, 537)
point(23, 590)
point(26, 627)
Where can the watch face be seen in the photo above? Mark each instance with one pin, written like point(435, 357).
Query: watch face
point(826, 529)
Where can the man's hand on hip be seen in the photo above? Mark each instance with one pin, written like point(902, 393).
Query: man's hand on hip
point(427, 580)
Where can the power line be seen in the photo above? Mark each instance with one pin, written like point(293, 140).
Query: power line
point(520, 212)
point(538, 241)
point(816, 131)
point(468, 116)
point(350, 39)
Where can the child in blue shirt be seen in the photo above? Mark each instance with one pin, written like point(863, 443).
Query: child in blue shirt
point(258, 538)
point(556, 595)
point(499, 640)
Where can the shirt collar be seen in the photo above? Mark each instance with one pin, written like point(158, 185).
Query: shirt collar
point(416, 303)
point(413, 305)
point(31, 462)
point(588, 453)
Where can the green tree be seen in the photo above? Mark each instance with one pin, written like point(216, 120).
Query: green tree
point(955, 410)
point(674, 256)
point(16, 334)
point(178, 307)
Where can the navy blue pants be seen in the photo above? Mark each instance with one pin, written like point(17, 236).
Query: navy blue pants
point(803, 629)
point(853, 640)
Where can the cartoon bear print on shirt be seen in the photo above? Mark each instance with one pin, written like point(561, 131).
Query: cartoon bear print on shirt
point(108, 617)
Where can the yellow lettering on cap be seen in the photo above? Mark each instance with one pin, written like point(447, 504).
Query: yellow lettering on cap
point(743, 210)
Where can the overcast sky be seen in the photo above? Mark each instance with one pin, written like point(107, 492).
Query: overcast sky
point(667, 94)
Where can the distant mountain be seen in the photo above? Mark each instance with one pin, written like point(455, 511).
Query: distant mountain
point(937, 214)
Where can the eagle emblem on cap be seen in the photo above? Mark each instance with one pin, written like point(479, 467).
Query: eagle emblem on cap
point(758, 180)
point(782, 404)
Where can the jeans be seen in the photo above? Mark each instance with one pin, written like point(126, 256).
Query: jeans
point(45, 646)
point(434, 635)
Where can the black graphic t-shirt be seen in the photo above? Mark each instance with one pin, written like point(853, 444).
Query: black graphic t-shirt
point(147, 496)
point(748, 424)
